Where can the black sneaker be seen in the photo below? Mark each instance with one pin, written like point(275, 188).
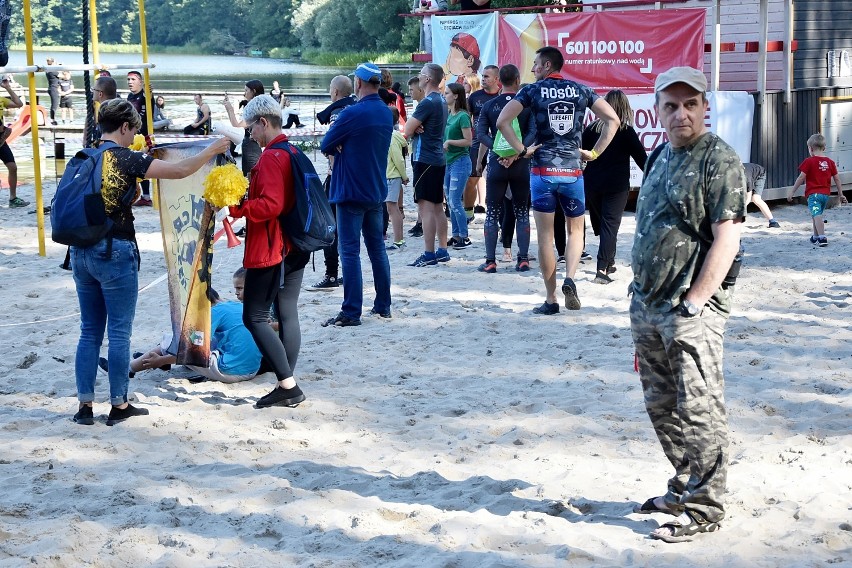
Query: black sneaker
point(462, 243)
point(585, 256)
point(416, 230)
point(602, 278)
point(773, 224)
point(84, 416)
point(341, 320)
point(572, 300)
point(281, 397)
point(547, 309)
point(479, 209)
point(327, 284)
point(117, 415)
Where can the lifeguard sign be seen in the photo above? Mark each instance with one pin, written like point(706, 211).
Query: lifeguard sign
point(607, 50)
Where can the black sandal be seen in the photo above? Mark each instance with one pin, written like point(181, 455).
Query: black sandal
point(684, 528)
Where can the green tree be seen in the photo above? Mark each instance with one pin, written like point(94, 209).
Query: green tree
point(273, 24)
point(338, 27)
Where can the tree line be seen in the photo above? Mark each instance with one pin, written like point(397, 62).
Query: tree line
point(214, 26)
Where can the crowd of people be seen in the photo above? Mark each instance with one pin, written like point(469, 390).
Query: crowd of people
point(531, 144)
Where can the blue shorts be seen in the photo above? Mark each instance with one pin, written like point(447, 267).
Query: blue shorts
point(817, 203)
point(571, 196)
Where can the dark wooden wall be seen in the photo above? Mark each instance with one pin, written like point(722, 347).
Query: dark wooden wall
point(819, 26)
point(780, 131)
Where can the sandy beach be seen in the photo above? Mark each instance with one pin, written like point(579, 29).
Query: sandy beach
point(464, 432)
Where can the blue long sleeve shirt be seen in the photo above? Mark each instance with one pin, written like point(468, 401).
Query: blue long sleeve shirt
point(359, 141)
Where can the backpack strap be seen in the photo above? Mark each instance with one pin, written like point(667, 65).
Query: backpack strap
point(653, 158)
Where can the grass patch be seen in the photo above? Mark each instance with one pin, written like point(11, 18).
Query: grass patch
point(353, 58)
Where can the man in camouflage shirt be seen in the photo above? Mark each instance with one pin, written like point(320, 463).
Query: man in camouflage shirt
point(688, 219)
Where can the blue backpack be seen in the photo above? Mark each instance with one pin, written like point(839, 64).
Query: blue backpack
point(310, 224)
point(77, 214)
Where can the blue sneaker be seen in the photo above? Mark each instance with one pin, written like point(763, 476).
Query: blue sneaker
point(814, 239)
point(442, 255)
point(822, 241)
point(425, 259)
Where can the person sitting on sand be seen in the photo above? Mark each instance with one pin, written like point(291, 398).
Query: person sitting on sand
point(234, 357)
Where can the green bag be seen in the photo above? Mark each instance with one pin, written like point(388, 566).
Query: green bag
point(501, 147)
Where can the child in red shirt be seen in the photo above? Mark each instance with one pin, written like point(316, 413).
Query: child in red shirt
point(817, 171)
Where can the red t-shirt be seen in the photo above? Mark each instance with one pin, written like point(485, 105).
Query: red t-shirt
point(818, 172)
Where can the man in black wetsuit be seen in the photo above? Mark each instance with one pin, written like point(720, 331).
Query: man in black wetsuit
point(475, 102)
point(136, 97)
point(52, 90)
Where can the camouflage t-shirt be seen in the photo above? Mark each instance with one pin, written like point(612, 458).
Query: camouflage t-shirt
point(684, 193)
point(558, 106)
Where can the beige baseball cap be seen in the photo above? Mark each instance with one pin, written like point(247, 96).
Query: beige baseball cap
point(688, 75)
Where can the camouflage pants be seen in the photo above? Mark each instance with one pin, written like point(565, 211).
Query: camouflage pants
point(680, 366)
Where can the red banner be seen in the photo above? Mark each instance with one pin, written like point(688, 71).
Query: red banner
point(607, 50)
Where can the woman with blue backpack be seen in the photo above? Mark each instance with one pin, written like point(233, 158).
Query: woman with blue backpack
point(106, 272)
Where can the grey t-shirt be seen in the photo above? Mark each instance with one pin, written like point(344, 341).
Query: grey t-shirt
point(685, 192)
point(428, 146)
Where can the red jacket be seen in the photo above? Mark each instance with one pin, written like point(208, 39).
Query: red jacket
point(270, 194)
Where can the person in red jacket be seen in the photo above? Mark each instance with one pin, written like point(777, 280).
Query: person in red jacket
point(273, 269)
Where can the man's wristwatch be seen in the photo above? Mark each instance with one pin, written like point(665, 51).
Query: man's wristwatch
point(523, 152)
point(688, 309)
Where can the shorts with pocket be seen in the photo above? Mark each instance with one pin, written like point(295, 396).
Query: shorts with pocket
point(428, 182)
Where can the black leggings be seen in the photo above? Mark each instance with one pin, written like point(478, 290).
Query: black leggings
point(606, 211)
point(330, 253)
point(263, 287)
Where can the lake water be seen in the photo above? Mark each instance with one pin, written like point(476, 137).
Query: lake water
point(210, 74)
point(198, 72)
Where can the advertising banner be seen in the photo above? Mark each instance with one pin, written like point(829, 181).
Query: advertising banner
point(187, 222)
point(463, 45)
point(730, 115)
point(607, 50)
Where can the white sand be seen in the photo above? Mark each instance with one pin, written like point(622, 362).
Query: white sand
point(464, 432)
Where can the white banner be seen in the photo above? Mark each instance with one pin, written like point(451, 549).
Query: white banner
point(730, 116)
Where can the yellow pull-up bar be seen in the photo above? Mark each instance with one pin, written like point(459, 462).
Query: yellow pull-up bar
point(28, 34)
point(31, 69)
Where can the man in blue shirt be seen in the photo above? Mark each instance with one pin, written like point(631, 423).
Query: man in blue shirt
point(425, 129)
point(558, 106)
point(359, 141)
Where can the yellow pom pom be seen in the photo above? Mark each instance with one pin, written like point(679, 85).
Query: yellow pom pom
point(138, 143)
point(225, 185)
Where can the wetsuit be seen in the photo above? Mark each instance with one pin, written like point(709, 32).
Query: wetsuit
point(475, 102)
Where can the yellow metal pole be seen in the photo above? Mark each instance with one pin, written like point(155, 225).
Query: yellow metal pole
point(28, 34)
point(143, 36)
point(93, 18)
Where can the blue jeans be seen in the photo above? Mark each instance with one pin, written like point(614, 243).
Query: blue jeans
point(107, 288)
point(353, 219)
point(455, 180)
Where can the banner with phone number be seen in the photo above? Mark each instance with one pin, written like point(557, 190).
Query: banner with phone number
point(607, 50)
